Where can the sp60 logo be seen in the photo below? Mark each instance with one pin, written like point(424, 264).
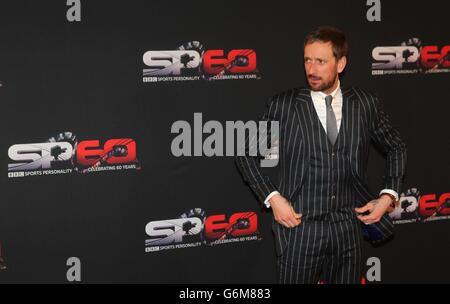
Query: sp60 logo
point(63, 153)
point(410, 57)
point(191, 62)
point(194, 228)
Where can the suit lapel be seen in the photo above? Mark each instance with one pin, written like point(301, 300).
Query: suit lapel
point(348, 132)
point(349, 129)
point(351, 113)
point(302, 98)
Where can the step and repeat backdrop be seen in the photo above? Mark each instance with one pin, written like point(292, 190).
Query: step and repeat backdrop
point(115, 164)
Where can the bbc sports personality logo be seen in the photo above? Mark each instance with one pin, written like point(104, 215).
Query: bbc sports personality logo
point(193, 228)
point(64, 153)
point(191, 61)
point(411, 57)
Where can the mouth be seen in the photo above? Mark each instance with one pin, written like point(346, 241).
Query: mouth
point(314, 80)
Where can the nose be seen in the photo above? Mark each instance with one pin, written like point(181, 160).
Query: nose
point(310, 68)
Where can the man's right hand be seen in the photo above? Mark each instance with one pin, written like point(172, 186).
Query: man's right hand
point(283, 212)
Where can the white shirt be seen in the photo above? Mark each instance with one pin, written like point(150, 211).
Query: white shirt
point(321, 107)
point(318, 99)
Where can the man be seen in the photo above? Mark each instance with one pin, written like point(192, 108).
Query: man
point(322, 200)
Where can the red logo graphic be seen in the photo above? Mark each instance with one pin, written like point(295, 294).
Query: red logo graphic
point(239, 224)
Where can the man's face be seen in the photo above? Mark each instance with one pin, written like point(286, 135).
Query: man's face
point(321, 67)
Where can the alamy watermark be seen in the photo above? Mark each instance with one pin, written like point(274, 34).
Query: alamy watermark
point(374, 12)
point(251, 139)
point(73, 273)
point(74, 11)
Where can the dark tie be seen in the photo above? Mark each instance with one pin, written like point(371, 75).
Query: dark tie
point(331, 121)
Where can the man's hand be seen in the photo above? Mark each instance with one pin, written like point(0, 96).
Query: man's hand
point(377, 208)
point(283, 212)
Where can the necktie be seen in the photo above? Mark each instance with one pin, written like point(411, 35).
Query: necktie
point(331, 121)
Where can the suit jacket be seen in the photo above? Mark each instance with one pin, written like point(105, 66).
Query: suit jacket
point(363, 118)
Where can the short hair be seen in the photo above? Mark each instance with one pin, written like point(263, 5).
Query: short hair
point(329, 34)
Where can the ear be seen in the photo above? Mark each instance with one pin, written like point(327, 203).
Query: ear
point(341, 64)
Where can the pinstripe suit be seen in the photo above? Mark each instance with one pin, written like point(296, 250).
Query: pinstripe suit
point(325, 182)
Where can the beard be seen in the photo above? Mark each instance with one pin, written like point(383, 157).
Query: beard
point(320, 85)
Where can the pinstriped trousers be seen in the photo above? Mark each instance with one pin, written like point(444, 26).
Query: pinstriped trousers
point(322, 250)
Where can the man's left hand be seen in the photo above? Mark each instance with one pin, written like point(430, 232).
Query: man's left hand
point(377, 208)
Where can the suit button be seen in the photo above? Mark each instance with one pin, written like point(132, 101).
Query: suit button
point(332, 154)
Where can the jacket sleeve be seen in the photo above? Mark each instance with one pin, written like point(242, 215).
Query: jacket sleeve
point(388, 141)
point(249, 165)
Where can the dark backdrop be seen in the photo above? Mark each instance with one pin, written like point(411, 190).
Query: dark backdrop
point(86, 77)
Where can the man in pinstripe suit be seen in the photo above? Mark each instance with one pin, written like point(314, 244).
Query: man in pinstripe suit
point(322, 201)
